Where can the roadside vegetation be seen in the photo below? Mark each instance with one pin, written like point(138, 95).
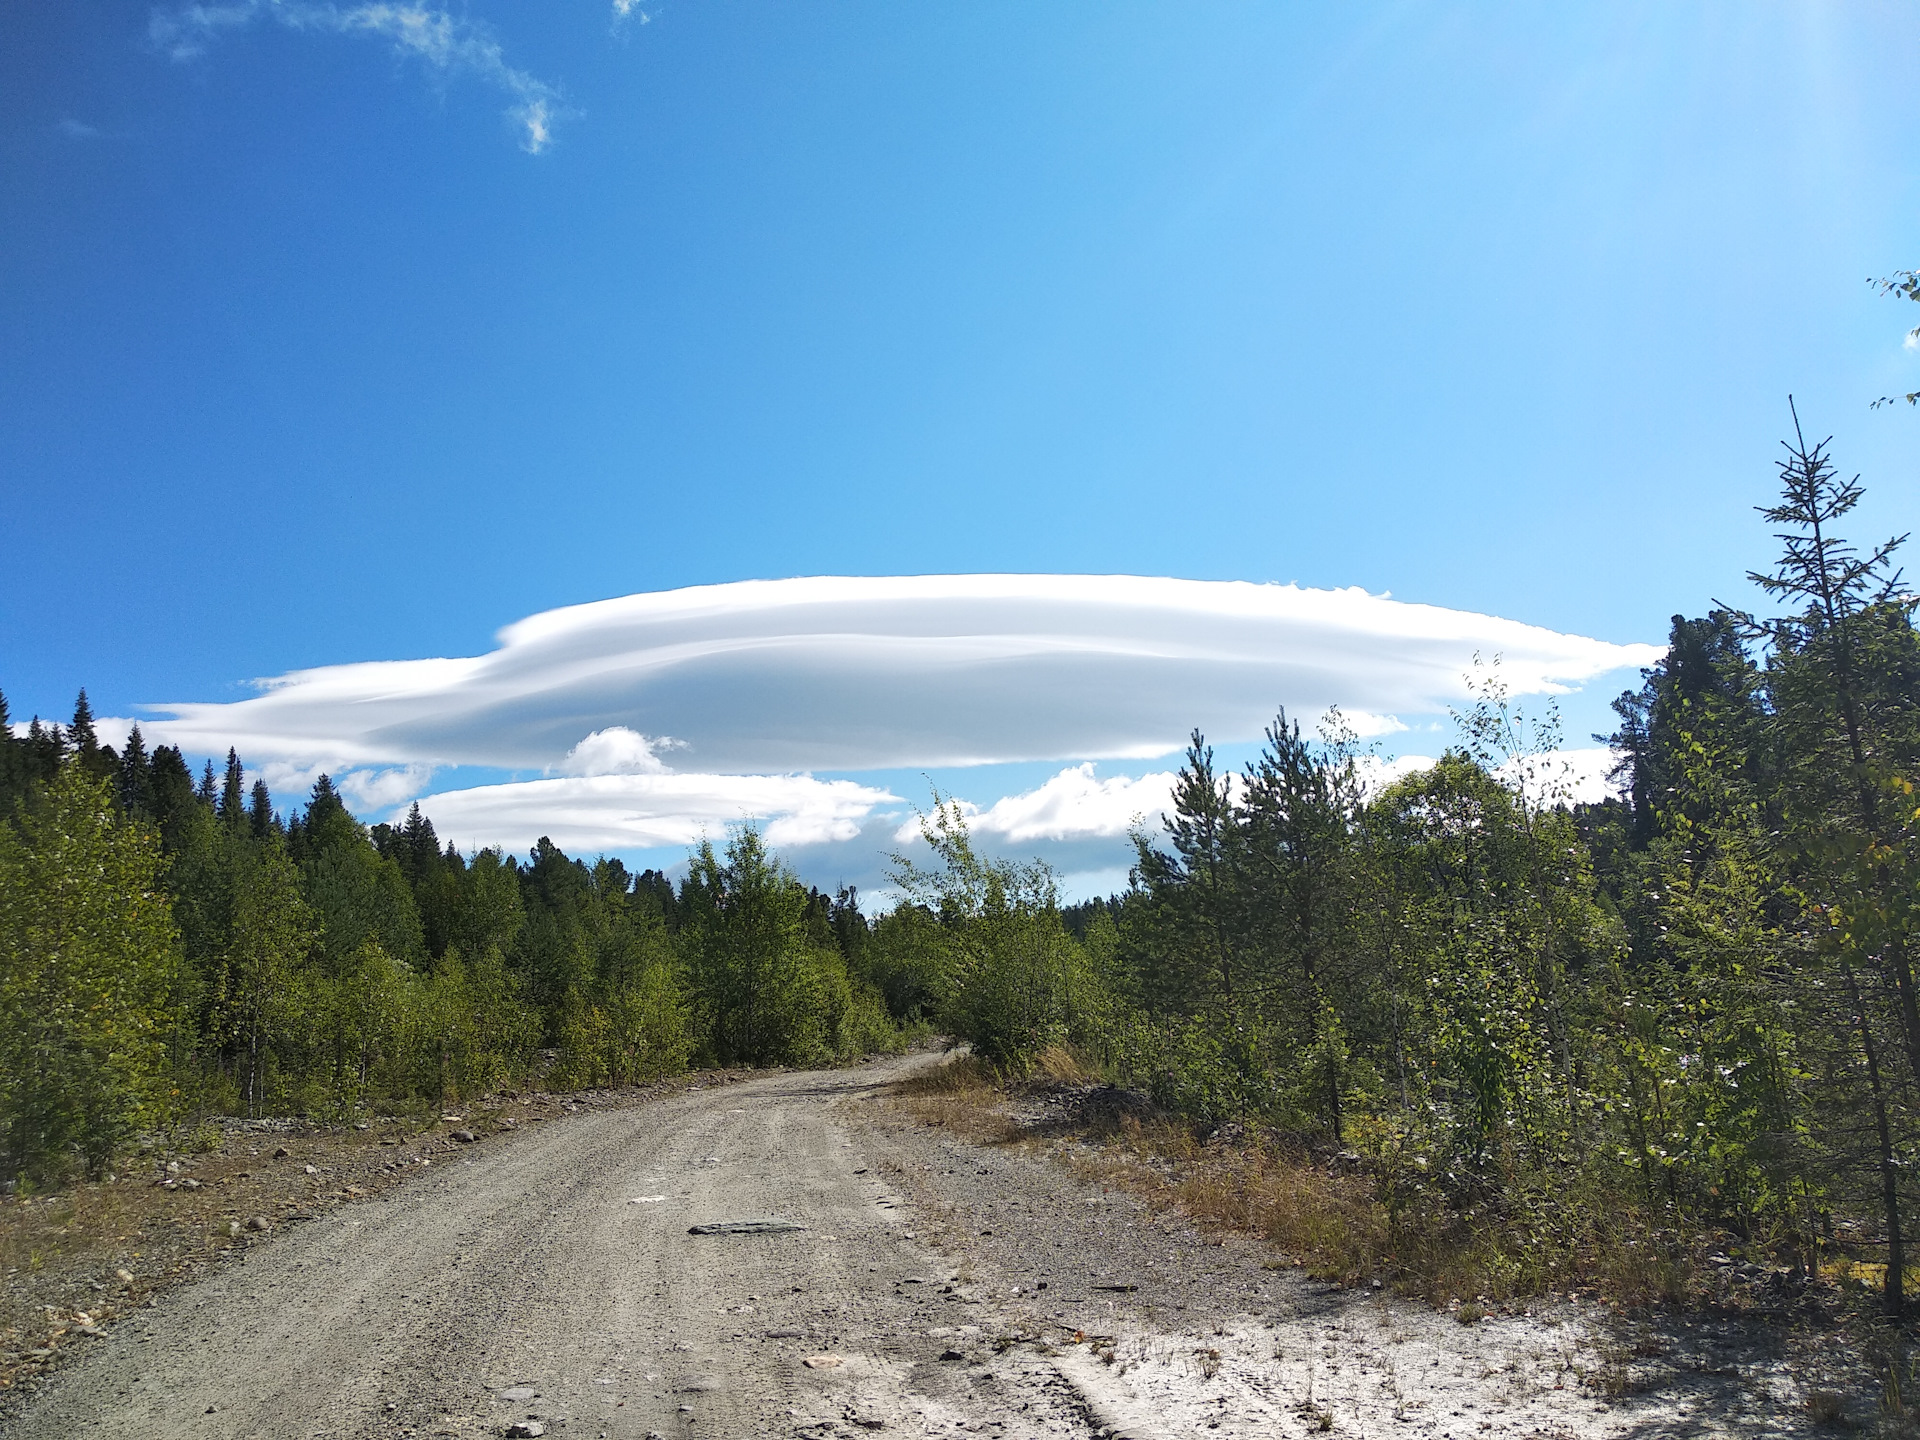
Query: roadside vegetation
point(1462, 1033)
point(173, 949)
point(1454, 1030)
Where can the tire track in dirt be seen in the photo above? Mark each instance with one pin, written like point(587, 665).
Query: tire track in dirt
point(552, 1281)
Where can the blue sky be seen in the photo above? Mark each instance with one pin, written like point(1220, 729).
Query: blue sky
point(306, 360)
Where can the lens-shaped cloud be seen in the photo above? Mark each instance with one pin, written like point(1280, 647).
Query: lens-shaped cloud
point(589, 814)
point(847, 674)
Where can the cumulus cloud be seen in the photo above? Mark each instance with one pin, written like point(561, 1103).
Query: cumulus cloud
point(616, 751)
point(1072, 805)
point(585, 814)
point(369, 790)
point(1577, 776)
point(446, 44)
point(784, 676)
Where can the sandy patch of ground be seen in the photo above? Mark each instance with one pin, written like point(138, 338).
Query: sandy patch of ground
point(1189, 1329)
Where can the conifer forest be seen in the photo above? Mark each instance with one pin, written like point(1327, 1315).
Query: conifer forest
point(1543, 1028)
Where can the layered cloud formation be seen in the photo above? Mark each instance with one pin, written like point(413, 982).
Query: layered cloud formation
point(586, 814)
point(855, 674)
point(656, 718)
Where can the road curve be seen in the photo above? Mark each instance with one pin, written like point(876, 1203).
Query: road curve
point(546, 1283)
point(551, 1278)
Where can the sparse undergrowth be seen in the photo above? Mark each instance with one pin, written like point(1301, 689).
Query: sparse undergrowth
point(1325, 1213)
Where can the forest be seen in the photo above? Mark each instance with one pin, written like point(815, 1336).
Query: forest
point(1689, 1010)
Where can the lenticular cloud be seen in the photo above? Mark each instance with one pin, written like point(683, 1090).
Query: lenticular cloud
point(829, 673)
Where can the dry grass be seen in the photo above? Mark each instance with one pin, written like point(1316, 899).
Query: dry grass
point(1327, 1222)
point(1325, 1218)
point(962, 1094)
point(1060, 1065)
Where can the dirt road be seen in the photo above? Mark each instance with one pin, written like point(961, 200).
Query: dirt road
point(548, 1281)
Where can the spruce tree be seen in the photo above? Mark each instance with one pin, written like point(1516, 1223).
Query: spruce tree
point(260, 811)
point(1843, 676)
point(80, 734)
point(173, 797)
point(46, 748)
point(136, 778)
point(233, 793)
point(15, 763)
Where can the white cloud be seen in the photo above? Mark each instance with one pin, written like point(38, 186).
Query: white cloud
point(624, 10)
point(831, 673)
point(441, 41)
point(107, 729)
point(585, 814)
point(77, 129)
point(1074, 804)
point(1071, 805)
point(1577, 776)
point(1377, 772)
point(616, 751)
point(369, 790)
point(290, 782)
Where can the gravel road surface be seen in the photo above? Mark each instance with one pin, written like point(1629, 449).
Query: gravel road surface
point(546, 1283)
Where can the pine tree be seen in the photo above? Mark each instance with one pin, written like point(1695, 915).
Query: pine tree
point(136, 778)
point(46, 748)
point(1843, 676)
point(15, 764)
point(1299, 810)
point(173, 795)
point(233, 794)
point(80, 736)
point(260, 811)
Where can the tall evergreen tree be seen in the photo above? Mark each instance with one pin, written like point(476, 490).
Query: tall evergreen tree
point(233, 794)
point(135, 781)
point(46, 748)
point(260, 821)
point(173, 794)
point(16, 763)
point(1843, 677)
point(96, 759)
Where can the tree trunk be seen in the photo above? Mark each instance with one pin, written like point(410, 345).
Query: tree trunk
point(1895, 1288)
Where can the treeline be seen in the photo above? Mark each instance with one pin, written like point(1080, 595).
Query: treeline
point(1569, 1027)
point(171, 945)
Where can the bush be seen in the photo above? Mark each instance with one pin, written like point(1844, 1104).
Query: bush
point(88, 969)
